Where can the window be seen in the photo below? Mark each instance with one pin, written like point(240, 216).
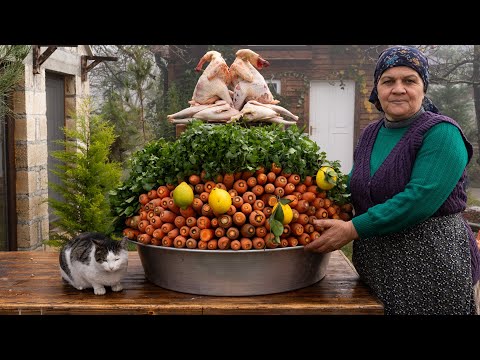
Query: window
point(275, 85)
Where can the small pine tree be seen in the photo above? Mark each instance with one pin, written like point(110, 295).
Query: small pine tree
point(86, 176)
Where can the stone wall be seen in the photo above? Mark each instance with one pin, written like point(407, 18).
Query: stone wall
point(31, 154)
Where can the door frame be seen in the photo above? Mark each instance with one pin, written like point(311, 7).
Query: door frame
point(11, 180)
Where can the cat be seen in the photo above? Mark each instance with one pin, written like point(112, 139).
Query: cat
point(93, 260)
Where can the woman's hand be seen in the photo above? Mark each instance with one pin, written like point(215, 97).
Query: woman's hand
point(336, 234)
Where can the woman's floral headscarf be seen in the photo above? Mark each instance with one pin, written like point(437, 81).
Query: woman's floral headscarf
point(402, 56)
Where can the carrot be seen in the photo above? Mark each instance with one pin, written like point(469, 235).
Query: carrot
point(202, 245)
point(267, 211)
point(249, 197)
point(308, 196)
point(237, 201)
point(328, 203)
point(270, 241)
point(142, 225)
point(167, 242)
point(246, 208)
point(301, 188)
point(191, 221)
point(302, 206)
point(258, 205)
point(313, 189)
point(321, 213)
point(170, 187)
point(162, 191)
point(185, 231)
point(152, 194)
point(257, 218)
point(294, 179)
point(179, 241)
point(172, 234)
point(261, 231)
point(197, 205)
point(276, 168)
point(347, 207)
point(246, 174)
point(296, 228)
point(209, 185)
point(189, 211)
point(228, 180)
point(262, 179)
point(318, 203)
point(194, 179)
point(271, 177)
point(280, 181)
point(304, 239)
point(295, 215)
point(221, 186)
point(225, 221)
point(152, 203)
point(191, 243)
point(156, 241)
point(251, 181)
point(241, 186)
point(158, 233)
point(232, 210)
point(303, 219)
point(156, 222)
point(279, 191)
point(179, 221)
point(246, 243)
point(214, 222)
point(233, 233)
point(212, 244)
point(143, 199)
point(239, 218)
point(232, 193)
point(286, 230)
point(258, 190)
point(269, 188)
point(167, 216)
point(207, 210)
point(144, 239)
point(219, 232)
point(344, 216)
point(308, 228)
point(235, 245)
point(194, 232)
point(314, 235)
point(149, 229)
point(165, 202)
point(199, 188)
point(173, 207)
point(223, 243)
point(204, 197)
point(292, 241)
point(311, 210)
point(247, 230)
point(204, 222)
point(283, 242)
point(157, 210)
point(258, 243)
point(206, 234)
point(132, 233)
point(308, 180)
point(289, 188)
point(260, 170)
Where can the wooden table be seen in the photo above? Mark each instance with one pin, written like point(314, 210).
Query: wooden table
point(30, 283)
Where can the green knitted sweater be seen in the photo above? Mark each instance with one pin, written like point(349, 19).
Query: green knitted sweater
point(438, 167)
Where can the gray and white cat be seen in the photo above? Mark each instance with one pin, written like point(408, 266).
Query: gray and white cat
point(93, 260)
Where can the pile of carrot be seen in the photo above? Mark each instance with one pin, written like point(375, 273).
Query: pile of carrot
point(245, 225)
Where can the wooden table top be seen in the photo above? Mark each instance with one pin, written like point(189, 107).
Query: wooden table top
point(30, 283)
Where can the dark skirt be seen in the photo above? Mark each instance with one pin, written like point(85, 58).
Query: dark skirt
point(422, 270)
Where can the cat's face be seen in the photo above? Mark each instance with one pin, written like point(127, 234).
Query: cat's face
point(112, 256)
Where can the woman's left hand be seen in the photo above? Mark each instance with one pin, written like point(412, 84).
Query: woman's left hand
point(335, 235)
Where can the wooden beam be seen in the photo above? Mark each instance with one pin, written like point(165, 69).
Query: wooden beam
point(39, 58)
point(86, 67)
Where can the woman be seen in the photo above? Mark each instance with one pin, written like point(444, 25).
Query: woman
point(412, 245)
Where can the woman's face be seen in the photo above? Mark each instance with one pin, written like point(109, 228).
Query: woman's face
point(400, 91)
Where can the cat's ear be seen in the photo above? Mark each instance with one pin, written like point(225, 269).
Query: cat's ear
point(123, 242)
point(97, 242)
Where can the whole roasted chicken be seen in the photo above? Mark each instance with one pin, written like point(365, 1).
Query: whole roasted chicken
point(213, 83)
point(248, 83)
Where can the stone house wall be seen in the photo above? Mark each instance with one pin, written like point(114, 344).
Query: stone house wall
point(31, 154)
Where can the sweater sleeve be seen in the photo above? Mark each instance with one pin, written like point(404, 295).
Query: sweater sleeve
point(439, 165)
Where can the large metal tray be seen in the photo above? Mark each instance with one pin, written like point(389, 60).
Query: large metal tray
point(232, 273)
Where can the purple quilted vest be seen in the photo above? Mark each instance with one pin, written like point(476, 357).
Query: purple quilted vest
point(394, 173)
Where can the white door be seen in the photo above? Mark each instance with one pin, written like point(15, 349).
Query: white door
point(332, 118)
